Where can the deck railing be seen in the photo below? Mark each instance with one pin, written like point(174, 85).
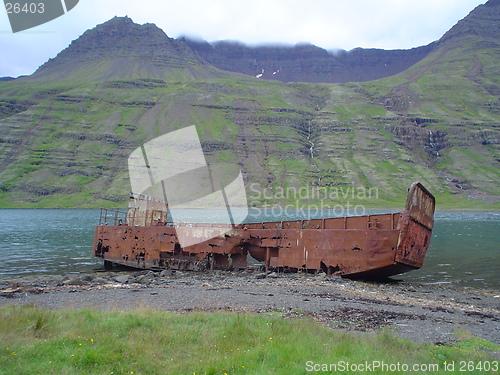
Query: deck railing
point(112, 216)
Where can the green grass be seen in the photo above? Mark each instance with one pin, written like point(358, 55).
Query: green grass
point(38, 341)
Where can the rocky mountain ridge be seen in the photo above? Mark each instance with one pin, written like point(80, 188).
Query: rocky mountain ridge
point(148, 52)
point(306, 62)
point(481, 22)
point(119, 48)
point(309, 63)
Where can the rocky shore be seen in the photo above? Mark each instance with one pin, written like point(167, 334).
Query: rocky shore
point(435, 314)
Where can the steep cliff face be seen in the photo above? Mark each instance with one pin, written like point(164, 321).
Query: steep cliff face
point(306, 62)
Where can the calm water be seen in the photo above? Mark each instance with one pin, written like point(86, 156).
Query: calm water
point(465, 248)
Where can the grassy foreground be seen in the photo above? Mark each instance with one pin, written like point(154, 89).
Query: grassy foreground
point(38, 341)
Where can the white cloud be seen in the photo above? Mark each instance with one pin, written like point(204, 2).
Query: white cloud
point(330, 24)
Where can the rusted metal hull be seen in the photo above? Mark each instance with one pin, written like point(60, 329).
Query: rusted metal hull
point(359, 246)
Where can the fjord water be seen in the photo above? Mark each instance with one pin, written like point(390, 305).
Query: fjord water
point(464, 251)
point(46, 241)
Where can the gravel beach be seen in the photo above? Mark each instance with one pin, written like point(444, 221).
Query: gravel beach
point(416, 312)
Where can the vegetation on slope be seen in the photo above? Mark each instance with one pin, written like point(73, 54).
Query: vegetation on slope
point(64, 142)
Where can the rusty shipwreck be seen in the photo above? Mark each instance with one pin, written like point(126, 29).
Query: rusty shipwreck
point(355, 246)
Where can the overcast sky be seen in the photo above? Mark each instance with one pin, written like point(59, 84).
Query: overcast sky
point(331, 24)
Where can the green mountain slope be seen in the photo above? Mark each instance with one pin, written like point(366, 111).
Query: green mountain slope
point(66, 132)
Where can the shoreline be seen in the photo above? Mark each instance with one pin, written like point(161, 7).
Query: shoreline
point(416, 312)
